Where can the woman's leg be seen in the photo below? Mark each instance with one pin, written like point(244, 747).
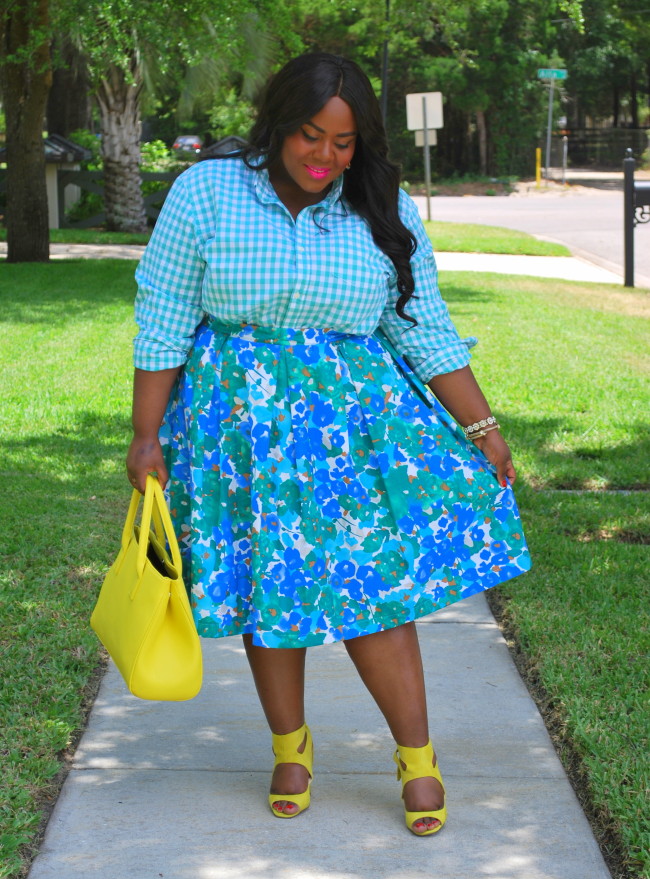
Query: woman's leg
point(390, 665)
point(279, 676)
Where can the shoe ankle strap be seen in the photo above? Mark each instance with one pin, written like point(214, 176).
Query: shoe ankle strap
point(285, 748)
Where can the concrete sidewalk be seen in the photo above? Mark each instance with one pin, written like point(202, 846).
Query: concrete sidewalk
point(179, 790)
point(568, 268)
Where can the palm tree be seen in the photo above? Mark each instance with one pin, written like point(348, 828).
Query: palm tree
point(132, 42)
point(118, 94)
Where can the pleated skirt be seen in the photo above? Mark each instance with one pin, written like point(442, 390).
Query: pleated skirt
point(316, 497)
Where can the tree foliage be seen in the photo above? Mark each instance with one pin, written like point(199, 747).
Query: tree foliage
point(609, 63)
point(199, 59)
point(482, 55)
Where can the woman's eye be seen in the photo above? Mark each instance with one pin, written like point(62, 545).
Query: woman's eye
point(309, 137)
point(342, 146)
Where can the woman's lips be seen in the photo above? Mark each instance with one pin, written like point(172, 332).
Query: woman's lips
point(317, 173)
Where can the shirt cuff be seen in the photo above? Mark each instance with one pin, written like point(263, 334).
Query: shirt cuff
point(152, 355)
point(445, 360)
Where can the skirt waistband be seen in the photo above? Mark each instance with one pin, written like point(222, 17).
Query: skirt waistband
point(282, 335)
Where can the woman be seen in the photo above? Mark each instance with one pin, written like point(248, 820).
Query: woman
point(316, 497)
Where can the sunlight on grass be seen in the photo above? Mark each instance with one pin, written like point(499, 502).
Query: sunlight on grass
point(476, 238)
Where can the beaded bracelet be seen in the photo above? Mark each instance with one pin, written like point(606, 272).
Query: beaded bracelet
point(479, 433)
point(478, 428)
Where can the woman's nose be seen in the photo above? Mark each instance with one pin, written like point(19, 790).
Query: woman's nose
point(323, 151)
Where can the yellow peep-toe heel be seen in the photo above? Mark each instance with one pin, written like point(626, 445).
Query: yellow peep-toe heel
point(286, 750)
point(419, 764)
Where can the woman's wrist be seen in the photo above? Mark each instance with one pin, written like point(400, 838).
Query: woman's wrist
point(480, 427)
point(146, 435)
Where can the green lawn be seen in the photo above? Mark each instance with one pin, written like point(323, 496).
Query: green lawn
point(475, 238)
point(566, 368)
point(456, 237)
point(64, 416)
point(90, 236)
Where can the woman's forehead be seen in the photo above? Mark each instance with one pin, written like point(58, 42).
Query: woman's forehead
point(335, 117)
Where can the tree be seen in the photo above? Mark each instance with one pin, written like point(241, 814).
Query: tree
point(482, 54)
point(608, 63)
point(68, 103)
point(129, 46)
point(25, 78)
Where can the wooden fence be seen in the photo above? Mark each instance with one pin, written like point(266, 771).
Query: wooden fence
point(92, 181)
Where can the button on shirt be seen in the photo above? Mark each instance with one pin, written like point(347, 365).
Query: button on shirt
point(224, 244)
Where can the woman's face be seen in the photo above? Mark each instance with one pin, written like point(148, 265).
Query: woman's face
point(320, 150)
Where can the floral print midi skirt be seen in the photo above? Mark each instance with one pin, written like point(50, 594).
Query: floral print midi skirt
point(316, 497)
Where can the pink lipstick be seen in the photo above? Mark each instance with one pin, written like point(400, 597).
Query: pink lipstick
point(317, 173)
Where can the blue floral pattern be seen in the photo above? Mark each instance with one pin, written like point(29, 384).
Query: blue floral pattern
point(317, 498)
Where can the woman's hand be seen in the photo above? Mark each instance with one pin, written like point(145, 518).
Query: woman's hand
point(496, 450)
point(461, 395)
point(145, 456)
point(151, 392)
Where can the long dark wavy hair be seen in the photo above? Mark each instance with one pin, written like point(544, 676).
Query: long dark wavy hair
point(294, 96)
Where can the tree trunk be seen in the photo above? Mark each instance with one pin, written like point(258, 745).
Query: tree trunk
point(25, 77)
point(118, 97)
point(68, 104)
point(634, 102)
point(481, 127)
point(616, 107)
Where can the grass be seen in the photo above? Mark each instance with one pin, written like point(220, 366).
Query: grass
point(457, 237)
point(90, 236)
point(476, 238)
point(569, 367)
point(565, 367)
point(580, 626)
point(63, 431)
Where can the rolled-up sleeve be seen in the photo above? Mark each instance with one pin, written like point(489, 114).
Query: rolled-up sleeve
point(434, 345)
point(170, 276)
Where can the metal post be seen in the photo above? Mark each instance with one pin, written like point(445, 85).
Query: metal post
point(427, 161)
point(565, 155)
point(549, 125)
point(628, 216)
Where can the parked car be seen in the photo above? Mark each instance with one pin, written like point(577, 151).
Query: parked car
point(188, 143)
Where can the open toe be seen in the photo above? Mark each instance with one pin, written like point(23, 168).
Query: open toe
point(294, 747)
point(413, 763)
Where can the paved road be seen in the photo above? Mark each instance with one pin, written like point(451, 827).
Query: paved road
point(589, 221)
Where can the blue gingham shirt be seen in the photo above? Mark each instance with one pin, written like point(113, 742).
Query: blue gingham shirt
point(225, 245)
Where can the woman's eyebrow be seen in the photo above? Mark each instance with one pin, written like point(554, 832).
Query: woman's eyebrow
point(322, 131)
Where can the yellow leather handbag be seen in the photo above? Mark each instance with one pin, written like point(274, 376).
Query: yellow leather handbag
point(143, 614)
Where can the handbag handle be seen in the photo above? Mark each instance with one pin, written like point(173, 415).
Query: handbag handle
point(154, 504)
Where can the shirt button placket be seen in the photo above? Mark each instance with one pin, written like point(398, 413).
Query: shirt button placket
point(302, 258)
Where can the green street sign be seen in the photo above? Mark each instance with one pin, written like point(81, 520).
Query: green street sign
point(551, 73)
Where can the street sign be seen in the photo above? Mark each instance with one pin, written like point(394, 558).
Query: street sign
point(423, 116)
point(551, 73)
point(415, 111)
point(432, 137)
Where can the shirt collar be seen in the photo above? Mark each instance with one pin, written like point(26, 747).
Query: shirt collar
point(267, 195)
